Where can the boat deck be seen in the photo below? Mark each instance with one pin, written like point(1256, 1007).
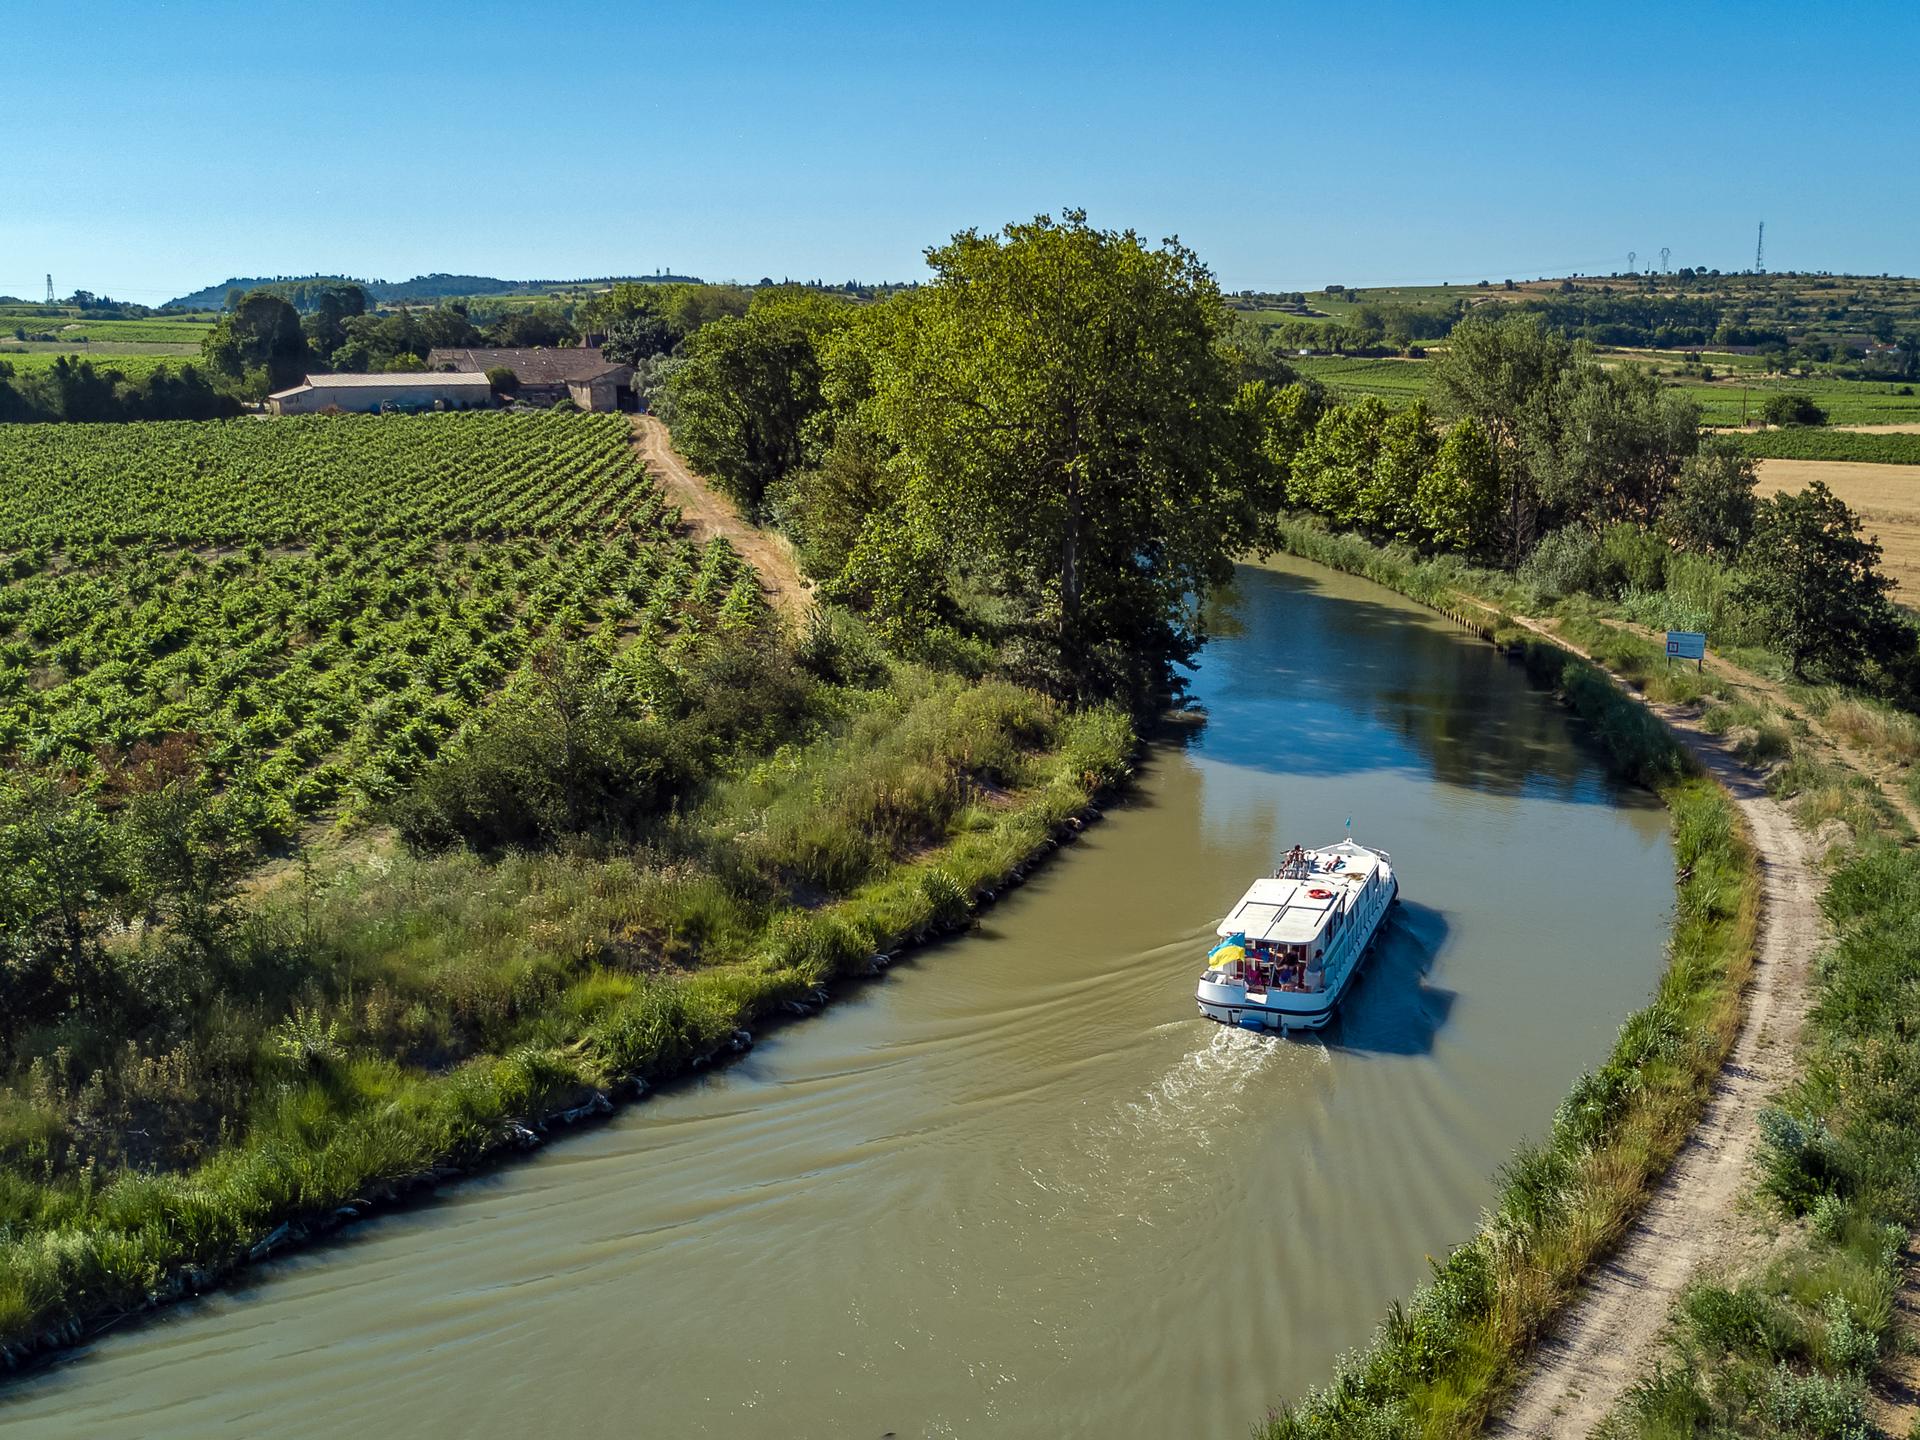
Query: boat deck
point(1291, 908)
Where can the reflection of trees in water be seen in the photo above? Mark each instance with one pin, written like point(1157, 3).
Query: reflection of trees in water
point(1320, 682)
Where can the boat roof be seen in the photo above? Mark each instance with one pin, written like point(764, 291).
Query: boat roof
point(1291, 911)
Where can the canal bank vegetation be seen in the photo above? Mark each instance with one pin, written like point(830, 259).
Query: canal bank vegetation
point(1793, 1343)
point(1592, 502)
point(1441, 1362)
point(1575, 481)
point(185, 1094)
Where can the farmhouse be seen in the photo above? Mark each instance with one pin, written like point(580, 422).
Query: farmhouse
point(377, 392)
point(580, 374)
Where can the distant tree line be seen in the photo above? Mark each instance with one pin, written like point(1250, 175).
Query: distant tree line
point(1887, 345)
point(75, 389)
point(430, 288)
point(94, 307)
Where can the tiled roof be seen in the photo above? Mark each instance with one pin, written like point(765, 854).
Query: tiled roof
point(535, 365)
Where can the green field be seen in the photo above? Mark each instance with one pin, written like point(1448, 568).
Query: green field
point(135, 366)
point(135, 332)
point(1821, 444)
point(1847, 402)
point(1348, 377)
point(315, 604)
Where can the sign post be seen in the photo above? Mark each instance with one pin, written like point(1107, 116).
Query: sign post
point(1687, 645)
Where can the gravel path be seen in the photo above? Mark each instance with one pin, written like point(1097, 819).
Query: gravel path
point(1607, 1338)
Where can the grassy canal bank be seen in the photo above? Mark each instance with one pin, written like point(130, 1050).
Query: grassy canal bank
point(387, 1019)
point(1442, 1361)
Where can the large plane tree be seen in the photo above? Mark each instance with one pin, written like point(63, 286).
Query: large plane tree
point(1058, 404)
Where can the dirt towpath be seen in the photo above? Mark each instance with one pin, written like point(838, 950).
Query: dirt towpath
point(1607, 1338)
point(707, 513)
point(1885, 777)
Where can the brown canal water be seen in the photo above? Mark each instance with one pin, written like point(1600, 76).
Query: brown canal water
point(1019, 1187)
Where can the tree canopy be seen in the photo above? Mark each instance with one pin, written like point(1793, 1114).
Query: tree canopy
point(749, 385)
point(258, 341)
point(1056, 407)
point(1504, 376)
point(1711, 511)
point(1815, 579)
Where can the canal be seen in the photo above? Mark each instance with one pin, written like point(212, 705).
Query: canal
point(1019, 1187)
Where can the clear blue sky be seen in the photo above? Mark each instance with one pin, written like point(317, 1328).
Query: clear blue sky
point(153, 148)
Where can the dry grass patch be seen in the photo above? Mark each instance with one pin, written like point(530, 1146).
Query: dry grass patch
point(1890, 735)
point(1886, 497)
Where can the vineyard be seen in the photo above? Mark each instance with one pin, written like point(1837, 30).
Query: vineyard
point(1348, 377)
point(312, 606)
point(1818, 443)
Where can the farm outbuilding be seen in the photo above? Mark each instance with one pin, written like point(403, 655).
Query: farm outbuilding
point(379, 392)
point(546, 375)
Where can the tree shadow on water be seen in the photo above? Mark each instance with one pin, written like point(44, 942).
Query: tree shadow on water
point(1324, 679)
point(1392, 1009)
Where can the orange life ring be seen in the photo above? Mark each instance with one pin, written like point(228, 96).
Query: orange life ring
point(1319, 894)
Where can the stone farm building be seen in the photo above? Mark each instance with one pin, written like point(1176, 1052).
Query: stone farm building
point(375, 392)
point(581, 374)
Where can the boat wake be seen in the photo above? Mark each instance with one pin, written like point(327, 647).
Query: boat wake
point(1135, 1159)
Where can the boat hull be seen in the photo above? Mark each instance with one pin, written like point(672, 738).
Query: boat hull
point(1236, 1007)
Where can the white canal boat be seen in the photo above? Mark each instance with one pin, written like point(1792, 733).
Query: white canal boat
point(1293, 946)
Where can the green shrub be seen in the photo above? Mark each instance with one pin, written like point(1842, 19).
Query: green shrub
point(1786, 408)
point(533, 769)
point(837, 647)
point(1818, 1406)
point(1565, 562)
point(1797, 1158)
point(1846, 1344)
point(816, 946)
point(1829, 1216)
point(947, 902)
point(1668, 1402)
point(1739, 1321)
point(1631, 558)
